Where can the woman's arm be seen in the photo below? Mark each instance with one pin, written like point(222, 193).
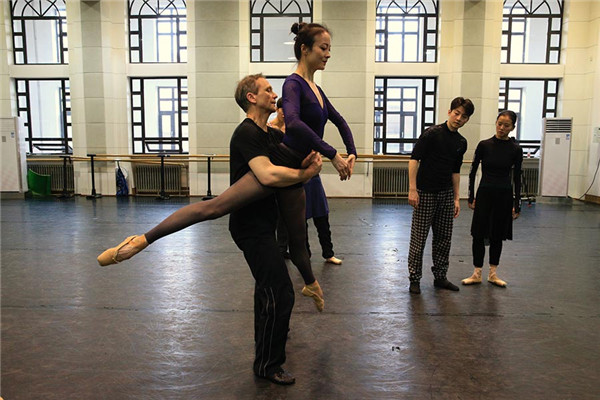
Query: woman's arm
point(341, 124)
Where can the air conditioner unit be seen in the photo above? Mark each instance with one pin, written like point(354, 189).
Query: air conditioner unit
point(14, 156)
point(556, 155)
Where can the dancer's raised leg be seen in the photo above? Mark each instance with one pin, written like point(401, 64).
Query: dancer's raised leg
point(246, 190)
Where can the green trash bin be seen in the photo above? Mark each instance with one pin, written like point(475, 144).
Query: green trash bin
point(39, 184)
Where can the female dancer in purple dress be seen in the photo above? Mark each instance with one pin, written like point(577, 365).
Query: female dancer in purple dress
point(312, 50)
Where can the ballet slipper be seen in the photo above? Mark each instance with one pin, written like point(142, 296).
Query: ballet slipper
point(314, 290)
point(333, 260)
point(473, 279)
point(493, 278)
point(124, 251)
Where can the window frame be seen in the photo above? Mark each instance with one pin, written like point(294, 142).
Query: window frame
point(178, 139)
point(63, 143)
point(529, 146)
point(422, 18)
point(280, 11)
point(42, 14)
point(531, 12)
point(162, 15)
point(425, 122)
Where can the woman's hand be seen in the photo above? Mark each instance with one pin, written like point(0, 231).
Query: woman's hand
point(472, 205)
point(341, 166)
point(515, 215)
point(351, 159)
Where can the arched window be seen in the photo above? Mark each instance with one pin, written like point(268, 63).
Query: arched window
point(157, 31)
point(532, 31)
point(406, 31)
point(270, 23)
point(39, 31)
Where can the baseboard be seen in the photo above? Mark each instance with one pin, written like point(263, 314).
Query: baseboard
point(589, 198)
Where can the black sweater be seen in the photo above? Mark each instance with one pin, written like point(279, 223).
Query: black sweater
point(497, 158)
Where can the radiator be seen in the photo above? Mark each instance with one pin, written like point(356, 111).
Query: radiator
point(530, 181)
point(146, 179)
point(55, 170)
point(390, 181)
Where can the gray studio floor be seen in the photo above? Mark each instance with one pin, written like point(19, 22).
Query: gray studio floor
point(176, 321)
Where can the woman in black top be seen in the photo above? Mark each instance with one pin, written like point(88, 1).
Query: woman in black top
point(495, 207)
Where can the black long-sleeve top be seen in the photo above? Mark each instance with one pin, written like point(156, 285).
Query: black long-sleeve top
point(497, 158)
point(440, 152)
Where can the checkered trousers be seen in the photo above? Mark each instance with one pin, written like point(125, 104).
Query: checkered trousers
point(435, 211)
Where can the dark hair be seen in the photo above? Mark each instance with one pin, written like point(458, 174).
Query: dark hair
point(510, 114)
point(280, 102)
point(305, 35)
point(467, 104)
point(245, 86)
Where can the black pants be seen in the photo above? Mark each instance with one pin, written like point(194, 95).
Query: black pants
point(479, 251)
point(273, 300)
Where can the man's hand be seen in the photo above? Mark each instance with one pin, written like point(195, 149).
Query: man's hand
point(313, 169)
point(472, 205)
point(413, 197)
point(456, 208)
point(341, 166)
point(308, 159)
point(351, 160)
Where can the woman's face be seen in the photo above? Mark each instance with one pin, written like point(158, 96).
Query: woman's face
point(316, 58)
point(504, 126)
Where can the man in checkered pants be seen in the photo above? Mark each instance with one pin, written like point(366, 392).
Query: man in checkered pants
point(434, 178)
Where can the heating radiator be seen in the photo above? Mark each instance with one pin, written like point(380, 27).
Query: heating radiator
point(55, 170)
point(390, 181)
point(531, 175)
point(147, 179)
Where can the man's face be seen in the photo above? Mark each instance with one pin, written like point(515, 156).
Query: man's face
point(457, 118)
point(265, 97)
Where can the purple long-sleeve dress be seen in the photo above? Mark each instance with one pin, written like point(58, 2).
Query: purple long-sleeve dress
point(305, 121)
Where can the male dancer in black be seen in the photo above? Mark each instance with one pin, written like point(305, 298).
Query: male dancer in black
point(434, 178)
point(253, 226)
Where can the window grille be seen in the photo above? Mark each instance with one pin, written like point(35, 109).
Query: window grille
point(39, 31)
point(159, 115)
point(406, 31)
point(157, 31)
point(532, 31)
point(45, 106)
point(404, 108)
point(270, 23)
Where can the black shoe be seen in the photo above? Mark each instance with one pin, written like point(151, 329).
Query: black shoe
point(445, 284)
point(414, 288)
point(280, 377)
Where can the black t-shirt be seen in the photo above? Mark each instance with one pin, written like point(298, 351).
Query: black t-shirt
point(440, 152)
point(247, 142)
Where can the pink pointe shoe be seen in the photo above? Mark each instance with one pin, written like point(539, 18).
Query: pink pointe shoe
point(124, 251)
point(333, 260)
point(314, 290)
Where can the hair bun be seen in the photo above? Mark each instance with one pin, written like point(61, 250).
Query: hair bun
point(296, 27)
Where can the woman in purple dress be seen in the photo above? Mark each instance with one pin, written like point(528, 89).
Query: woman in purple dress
point(248, 188)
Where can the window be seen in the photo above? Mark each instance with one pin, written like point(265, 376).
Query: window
point(404, 107)
point(157, 31)
point(531, 31)
point(406, 31)
point(45, 106)
point(531, 100)
point(270, 23)
point(39, 31)
point(159, 115)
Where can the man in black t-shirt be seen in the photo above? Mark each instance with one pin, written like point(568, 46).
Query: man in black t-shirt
point(434, 178)
point(253, 226)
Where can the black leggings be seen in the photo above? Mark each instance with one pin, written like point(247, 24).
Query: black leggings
point(479, 251)
point(292, 204)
